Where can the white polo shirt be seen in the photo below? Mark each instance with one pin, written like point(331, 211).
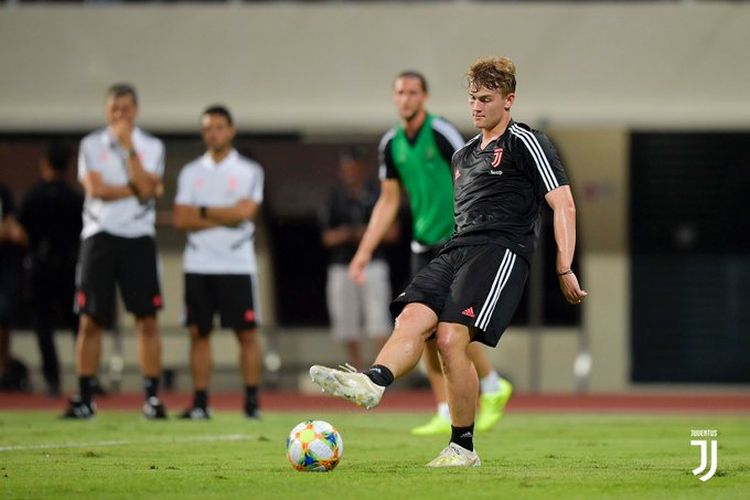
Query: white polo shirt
point(202, 182)
point(127, 217)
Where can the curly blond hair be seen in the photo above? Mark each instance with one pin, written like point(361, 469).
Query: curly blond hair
point(494, 73)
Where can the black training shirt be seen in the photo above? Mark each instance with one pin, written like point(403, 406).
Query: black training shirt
point(346, 209)
point(51, 214)
point(498, 190)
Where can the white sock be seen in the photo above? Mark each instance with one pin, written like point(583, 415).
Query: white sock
point(444, 411)
point(490, 383)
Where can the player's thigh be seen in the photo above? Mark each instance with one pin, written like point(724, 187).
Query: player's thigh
point(96, 275)
point(430, 286)
point(200, 302)
point(236, 301)
point(343, 298)
point(138, 276)
point(505, 305)
point(419, 261)
point(375, 299)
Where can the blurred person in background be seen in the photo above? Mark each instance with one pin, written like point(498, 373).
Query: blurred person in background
point(11, 235)
point(218, 197)
point(50, 214)
point(416, 156)
point(502, 177)
point(357, 311)
point(120, 167)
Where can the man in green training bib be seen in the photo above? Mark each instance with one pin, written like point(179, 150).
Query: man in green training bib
point(416, 155)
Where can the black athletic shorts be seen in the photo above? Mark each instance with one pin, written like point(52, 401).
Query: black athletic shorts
point(131, 263)
point(8, 289)
point(420, 260)
point(231, 295)
point(479, 286)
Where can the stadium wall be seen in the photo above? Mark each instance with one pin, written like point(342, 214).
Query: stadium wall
point(324, 67)
point(587, 73)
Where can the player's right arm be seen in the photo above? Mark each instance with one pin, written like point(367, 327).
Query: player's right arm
point(383, 216)
point(92, 181)
point(245, 209)
point(333, 232)
point(340, 235)
point(186, 214)
point(188, 218)
point(95, 187)
point(145, 184)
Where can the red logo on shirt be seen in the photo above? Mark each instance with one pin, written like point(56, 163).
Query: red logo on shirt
point(157, 301)
point(249, 315)
point(233, 183)
point(81, 298)
point(497, 158)
point(469, 312)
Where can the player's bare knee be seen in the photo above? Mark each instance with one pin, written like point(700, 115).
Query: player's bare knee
point(246, 337)
point(196, 335)
point(147, 326)
point(451, 341)
point(415, 320)
point(88, 328)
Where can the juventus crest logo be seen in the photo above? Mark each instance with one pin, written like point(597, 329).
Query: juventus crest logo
point(497, 158)
point(704, 444)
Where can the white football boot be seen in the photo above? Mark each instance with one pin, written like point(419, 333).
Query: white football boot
point(349, 384)
point(456, 456)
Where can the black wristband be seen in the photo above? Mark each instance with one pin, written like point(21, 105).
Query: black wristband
point(569, 271)
point(132, 153)
point(132, 187)
point(203, 211)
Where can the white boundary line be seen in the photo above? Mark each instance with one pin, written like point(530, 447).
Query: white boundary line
point(126, 442)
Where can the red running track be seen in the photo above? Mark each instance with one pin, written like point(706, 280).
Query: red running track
point(404, 400)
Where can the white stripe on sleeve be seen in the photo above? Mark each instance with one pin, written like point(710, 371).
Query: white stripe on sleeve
point(542, 164)
point(448, 131)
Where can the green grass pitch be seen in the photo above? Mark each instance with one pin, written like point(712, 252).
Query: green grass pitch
point(119, 455)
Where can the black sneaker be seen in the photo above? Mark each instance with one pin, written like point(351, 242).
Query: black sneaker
point(154, 409)
point(53, 390)
point(196, 413)
point(97, 389)
point(252, 412)
point(77, 409)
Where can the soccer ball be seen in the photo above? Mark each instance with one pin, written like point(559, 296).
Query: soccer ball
point(314, 446)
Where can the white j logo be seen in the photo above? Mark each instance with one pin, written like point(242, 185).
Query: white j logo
point(703, 443)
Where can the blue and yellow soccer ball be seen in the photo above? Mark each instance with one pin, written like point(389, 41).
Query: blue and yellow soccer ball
point(314, 446)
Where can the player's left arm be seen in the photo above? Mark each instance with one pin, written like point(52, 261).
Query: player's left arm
point(564, 221)
point(188, 218)
point(246, 208)
point(22, 223)
point(241, 211)
point(551, 178)
point(10, 230)
point(13, 232)
point(145, 184)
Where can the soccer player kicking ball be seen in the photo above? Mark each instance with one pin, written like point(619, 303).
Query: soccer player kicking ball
point(415, 157)
point(500, 179)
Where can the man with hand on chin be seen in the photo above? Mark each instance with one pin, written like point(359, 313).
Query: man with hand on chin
point(120, 167)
